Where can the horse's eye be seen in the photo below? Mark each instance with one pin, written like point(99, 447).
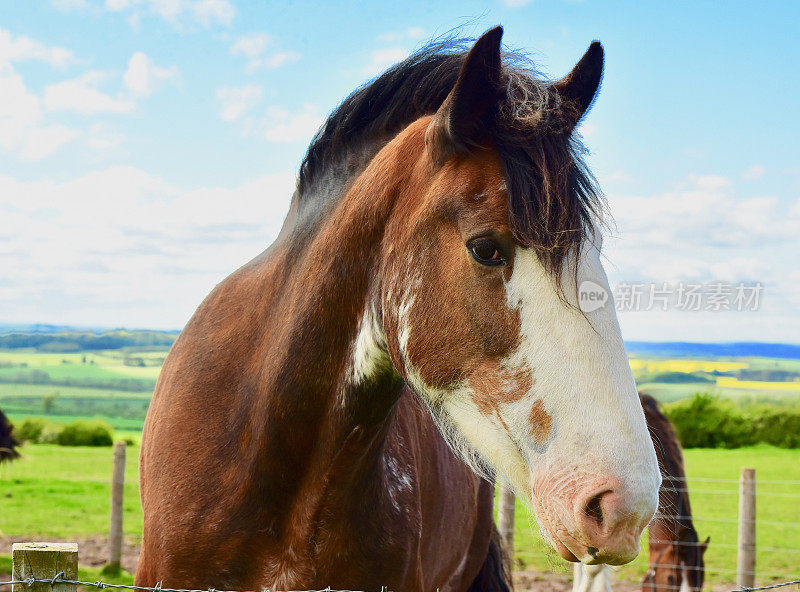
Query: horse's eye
point(485, 252)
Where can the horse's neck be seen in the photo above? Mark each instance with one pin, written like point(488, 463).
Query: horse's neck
point(322, 418)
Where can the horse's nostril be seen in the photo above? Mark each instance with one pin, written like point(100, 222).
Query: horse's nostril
point(594, 509)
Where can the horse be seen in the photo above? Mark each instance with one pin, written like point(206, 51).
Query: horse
point(335, 411)
point(676, 555)
point(8, 444)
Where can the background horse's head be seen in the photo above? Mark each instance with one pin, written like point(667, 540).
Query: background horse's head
point(492, 229)
point(677, 564)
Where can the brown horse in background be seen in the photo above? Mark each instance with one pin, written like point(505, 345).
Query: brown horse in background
point(676, 554)
point(324, 416)
point(8, 445)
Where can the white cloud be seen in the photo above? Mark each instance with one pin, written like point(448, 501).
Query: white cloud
point(253, 46)
point(22, 128)
point(20, 48)
point(275, 60)
point(179, 13)
point(705, 211)
point(618, 176)
point(117, 5)
point(705, 232)
point(67, 5)
point(42, 141)
point(106, 247)
point(82, 95)
point(236, 101)
point(380, 59)
point(754, 173)
point(100, 136)
point(210, 12)
point(143, 77)
point(282, 125)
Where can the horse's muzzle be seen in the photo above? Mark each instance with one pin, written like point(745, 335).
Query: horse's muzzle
point(605, 524)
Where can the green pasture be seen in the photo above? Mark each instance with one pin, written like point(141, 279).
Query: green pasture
point(123, 427)
point(100, 364)
point(670, 392)
point(63, 493)
point(120, 409)
point(37, 391)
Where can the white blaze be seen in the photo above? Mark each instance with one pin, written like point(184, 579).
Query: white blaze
point(582, 375)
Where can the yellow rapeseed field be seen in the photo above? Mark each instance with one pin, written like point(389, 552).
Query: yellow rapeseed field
point(733, 382)
point(650, 365)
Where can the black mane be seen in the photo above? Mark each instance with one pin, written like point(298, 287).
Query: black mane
point(377, 111)
point(554, 201)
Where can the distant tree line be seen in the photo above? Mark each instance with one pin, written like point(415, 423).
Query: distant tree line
point(71, 341)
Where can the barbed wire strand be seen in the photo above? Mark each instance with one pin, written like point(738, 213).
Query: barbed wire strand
point(730, 492)
point(59, 579)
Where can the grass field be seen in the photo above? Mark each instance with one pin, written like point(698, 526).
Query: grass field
point(58, 492)
point(63, 492)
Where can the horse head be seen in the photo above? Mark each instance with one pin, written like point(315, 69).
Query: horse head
point(492, 240)
point(676, 564)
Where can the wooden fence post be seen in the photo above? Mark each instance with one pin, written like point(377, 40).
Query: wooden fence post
point(117, 489)
point(505, 518)
point(44, 560)
point(746, 548)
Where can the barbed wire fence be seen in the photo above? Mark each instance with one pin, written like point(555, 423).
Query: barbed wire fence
point(31, 557)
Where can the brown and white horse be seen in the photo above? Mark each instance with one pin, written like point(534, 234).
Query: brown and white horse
point(676, 555)
point(417, 310)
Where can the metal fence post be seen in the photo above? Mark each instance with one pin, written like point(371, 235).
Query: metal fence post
point(505, 518)
point(746, 548)
point(44, 560)
point(117, 490)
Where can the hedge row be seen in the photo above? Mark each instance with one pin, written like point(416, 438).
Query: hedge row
point(707, 421)
point(82, 432)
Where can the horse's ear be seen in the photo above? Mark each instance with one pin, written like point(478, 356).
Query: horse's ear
point(579, 88)
point(704, 545)
point(459, 123)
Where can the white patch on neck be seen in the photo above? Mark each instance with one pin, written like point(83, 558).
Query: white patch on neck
point(370, 355)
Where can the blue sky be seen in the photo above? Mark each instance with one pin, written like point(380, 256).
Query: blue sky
point(148, 147)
